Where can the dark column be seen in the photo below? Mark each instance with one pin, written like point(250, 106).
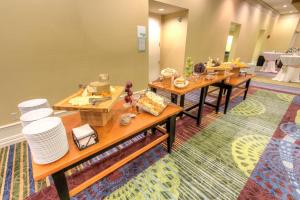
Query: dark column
point(201, 104)
point(61, 185)
point(229, 89)
point(171, 128)
point(247, 87)
point(182, 97)
point(220, 97)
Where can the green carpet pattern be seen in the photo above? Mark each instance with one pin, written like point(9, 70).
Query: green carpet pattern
point(216, 161)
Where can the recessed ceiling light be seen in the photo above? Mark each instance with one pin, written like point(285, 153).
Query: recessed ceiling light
point(161, 9)
point(284, 6)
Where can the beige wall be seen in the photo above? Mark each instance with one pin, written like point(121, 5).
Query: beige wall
point(48, 47)
point(173, 40)
point(209, 23)
point(297, 41)
point(283, 33)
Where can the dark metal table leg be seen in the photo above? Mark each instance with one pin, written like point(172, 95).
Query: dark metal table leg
point(206, 92)
point(153, 90)
point(171, 127)
point(229, 89)
point(61, 185)
point(182, 98)
point(247, 87)
point(201, 104)
point(219, 97)
point(153, 131)
point(174, 98)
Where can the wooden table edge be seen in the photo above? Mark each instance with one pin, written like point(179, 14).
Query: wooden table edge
point(59, 168)
point(251, 76)
point(151, 85)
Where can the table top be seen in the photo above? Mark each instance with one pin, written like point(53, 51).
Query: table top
point(290, 60)
point(272, 55)
point(219, 68)
point(100, 107)
point(110, 134)
point(235, 81)
point(193, 85)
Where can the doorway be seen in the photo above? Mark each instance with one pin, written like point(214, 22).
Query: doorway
point(167, 30)
point(154, 26)
point(259, 45)
point(232, 40)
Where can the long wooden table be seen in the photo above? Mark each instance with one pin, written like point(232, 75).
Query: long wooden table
point(109, 136)
point(228, 85)
point(199, 83)
point(236, 82)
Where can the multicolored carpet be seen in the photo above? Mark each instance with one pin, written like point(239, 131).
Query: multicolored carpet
point(252, 152)
point(277, 175)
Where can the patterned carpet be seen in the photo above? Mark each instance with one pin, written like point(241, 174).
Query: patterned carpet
point(221, 159)
point(277, 175)
point(216, 162)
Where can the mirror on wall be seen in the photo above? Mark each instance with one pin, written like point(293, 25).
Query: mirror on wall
point(232, 39)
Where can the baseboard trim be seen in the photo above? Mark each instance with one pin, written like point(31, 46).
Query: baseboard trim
point(12, 133)
point(11, 140)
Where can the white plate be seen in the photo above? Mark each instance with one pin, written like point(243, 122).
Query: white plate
point(186, 83)
point(47, 139)
point(33, 104)
point(34, 115)
point(42, 125)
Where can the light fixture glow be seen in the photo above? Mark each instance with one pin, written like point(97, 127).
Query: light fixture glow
point(284, 6)
point(161, 9)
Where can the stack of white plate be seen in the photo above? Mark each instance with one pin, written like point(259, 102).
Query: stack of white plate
point(47, 139)
point(34, 115)
point(33, 104)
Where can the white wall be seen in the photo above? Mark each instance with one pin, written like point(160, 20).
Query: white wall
point(282, 33)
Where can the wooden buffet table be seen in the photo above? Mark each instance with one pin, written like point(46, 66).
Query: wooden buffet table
point(95, 115)
point(110, 135)
point(228, 85)
point(237, 70)
point(199, 83)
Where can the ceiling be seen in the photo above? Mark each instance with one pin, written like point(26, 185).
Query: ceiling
point(282, 6)
point(162, 8)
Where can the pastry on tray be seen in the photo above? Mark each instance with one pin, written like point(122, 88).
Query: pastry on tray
point(152, 103)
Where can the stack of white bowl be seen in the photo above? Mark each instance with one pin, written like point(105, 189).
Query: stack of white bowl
point(47, 139)
point(33, 104)
point(34, 115)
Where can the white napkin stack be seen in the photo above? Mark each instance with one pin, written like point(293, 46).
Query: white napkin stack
point(81, 133)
